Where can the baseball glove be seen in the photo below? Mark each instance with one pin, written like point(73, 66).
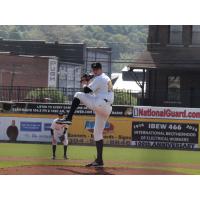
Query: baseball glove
point(86, 77)
point(62, 138)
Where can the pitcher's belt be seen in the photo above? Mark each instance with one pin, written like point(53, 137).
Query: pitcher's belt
point(106, 100)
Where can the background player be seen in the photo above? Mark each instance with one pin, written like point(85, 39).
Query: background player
point(98, 96)
point(59, 133)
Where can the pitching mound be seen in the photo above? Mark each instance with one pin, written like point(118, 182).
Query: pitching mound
point(67, 170)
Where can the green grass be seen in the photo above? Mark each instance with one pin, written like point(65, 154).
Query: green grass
point(110, 153)
point(88, 153)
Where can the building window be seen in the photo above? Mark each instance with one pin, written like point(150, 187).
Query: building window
point(174, 88)
point(196, 34)
point(175, 36)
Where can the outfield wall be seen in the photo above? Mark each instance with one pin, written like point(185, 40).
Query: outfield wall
point(36, 128)
point(149, 127)
point(165, 127)
point(33, 123)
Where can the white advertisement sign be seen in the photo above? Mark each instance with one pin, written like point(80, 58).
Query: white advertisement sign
point(166, 112)
point(25, 129)
point(52, 72)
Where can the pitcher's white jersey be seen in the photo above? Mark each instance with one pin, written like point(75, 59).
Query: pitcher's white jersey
point(102, 87)
point(100, 102)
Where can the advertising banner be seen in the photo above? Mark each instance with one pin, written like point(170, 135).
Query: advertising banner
point(141, 126)
point(54, 108)
point(117, 131)
point(166, 112)
point(36, 128)
point(25, 129)
point(165, 135)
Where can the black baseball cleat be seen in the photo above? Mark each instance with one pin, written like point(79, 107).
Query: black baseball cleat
point(53, 157)
point(64, 121)
point(96, 163)
point(65, 158)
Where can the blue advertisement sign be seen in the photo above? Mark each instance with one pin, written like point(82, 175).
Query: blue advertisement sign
point(90, 125)
point(31, 126)
point(47, 126)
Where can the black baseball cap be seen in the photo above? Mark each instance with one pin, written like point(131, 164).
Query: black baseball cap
point(96, 65)
point(60, 114)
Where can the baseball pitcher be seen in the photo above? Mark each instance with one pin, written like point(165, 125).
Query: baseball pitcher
point(98, 96)
point(59, 133)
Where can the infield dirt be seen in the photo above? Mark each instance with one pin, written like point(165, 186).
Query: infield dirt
point(76, 167)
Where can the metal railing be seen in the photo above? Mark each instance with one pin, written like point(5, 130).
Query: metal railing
point(58, 95)
point(186, 98)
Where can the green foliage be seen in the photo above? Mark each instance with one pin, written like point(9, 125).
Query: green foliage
point(124, 39)
point(123, 97)
point(47, 95)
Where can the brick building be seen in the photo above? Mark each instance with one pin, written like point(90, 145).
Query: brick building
point(171, 65)
point(73, 59)
point(24, 70)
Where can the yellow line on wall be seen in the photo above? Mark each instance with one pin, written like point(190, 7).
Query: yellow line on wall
point(27, 115)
